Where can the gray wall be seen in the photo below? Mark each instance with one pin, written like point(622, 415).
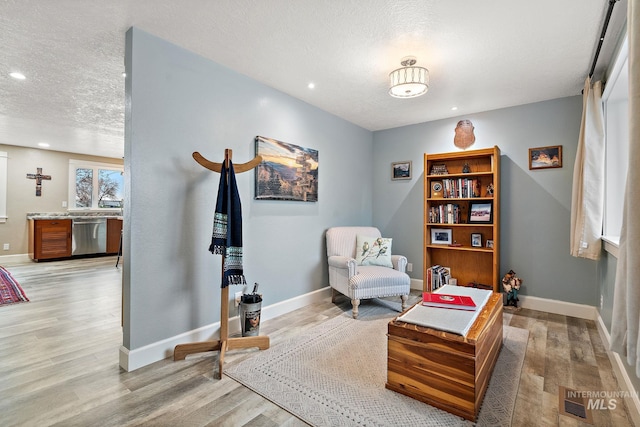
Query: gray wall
point(178, 103)
point(535, 205)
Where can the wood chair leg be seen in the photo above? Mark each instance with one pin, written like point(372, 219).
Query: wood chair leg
point(355, 303)
point(404, 299)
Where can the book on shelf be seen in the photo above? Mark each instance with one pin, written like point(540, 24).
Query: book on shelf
point(455, 302)
point(445, 214)
point(438, 276)
point(461, 188)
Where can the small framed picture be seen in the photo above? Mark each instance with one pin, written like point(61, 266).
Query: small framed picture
point(441, 236)
point(476, 240)
point(401, 170)
point(490, 244)
point(480, 212)
point(545, 157)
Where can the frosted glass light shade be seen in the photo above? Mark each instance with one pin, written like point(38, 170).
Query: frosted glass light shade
point(409, 82)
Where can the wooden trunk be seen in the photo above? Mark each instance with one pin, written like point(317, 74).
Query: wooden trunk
point(442, 369)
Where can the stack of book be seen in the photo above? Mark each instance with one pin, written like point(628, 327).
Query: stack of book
point(461, 188)
point(445, 214)
point(438, 276)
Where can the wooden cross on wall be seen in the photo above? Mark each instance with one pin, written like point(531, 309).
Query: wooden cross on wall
point(38, 177)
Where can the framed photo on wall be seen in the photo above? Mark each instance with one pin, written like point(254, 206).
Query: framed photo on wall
point(401, 170)
point(480, 212)
point(545, 157)
point(441, 236)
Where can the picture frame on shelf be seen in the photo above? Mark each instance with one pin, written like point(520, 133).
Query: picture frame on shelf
point(401, 170)
point(476, 240)
point(480, 212)
point(489, 244)
point(441, 236)
point(545, 157)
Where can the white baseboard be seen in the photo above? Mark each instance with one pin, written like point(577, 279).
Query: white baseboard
point(571, 309)
point(621, 373)
point(131, 360)
point(143, 356)
point(581, 311)
point(15, 258)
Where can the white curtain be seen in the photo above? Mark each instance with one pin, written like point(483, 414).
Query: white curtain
point(587, 199)
point(625, 326)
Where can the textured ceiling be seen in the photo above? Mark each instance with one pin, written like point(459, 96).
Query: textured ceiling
point(482, 55)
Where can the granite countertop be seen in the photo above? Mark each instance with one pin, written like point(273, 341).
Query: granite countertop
point(72, 215)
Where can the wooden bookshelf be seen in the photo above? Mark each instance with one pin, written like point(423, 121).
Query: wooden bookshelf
point(457, 213)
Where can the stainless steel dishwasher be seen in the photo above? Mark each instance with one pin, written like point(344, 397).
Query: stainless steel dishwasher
point(89, 236)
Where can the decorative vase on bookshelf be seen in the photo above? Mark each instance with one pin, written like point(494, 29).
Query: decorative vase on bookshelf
point(465, 183)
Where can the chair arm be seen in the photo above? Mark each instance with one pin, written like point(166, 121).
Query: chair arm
point(399, 263)
point(343, 262)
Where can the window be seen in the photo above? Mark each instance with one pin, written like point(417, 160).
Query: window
point(616, 110)
point(95, 185)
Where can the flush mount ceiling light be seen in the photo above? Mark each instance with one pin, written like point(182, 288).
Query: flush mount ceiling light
point(409, 81)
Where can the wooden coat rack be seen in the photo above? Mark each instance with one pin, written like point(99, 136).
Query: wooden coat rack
point(224, 343)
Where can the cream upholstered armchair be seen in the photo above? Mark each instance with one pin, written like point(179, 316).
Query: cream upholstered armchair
point(361, 266)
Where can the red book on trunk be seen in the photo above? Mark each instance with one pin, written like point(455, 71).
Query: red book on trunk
point(457, 302)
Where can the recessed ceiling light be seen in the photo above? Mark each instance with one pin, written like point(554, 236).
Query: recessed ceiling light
point(124, 74)
point(43, 144)
point(454, 108)
point(311, 85)
point(18, 76)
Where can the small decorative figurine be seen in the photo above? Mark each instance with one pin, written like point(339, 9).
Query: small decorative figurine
point(489, 190)
point(511, 285)
point(466, 168)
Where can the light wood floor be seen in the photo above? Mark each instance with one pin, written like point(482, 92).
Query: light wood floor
point(59, 361)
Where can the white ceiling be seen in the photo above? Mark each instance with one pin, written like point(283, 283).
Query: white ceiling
point(481, 54)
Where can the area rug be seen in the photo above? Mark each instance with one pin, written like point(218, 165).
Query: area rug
point(335, 374)
point(10, 290)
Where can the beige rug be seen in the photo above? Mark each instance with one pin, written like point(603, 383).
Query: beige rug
point(334, 375)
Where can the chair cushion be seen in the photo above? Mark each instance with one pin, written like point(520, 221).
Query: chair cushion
point(373, 251)
point(373, 281)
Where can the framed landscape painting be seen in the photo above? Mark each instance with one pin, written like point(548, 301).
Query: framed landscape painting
point(545, 157)
point(401, 170)
point(287, 171)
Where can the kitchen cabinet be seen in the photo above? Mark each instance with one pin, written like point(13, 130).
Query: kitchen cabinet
point(49, 238)
point(114, 231)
